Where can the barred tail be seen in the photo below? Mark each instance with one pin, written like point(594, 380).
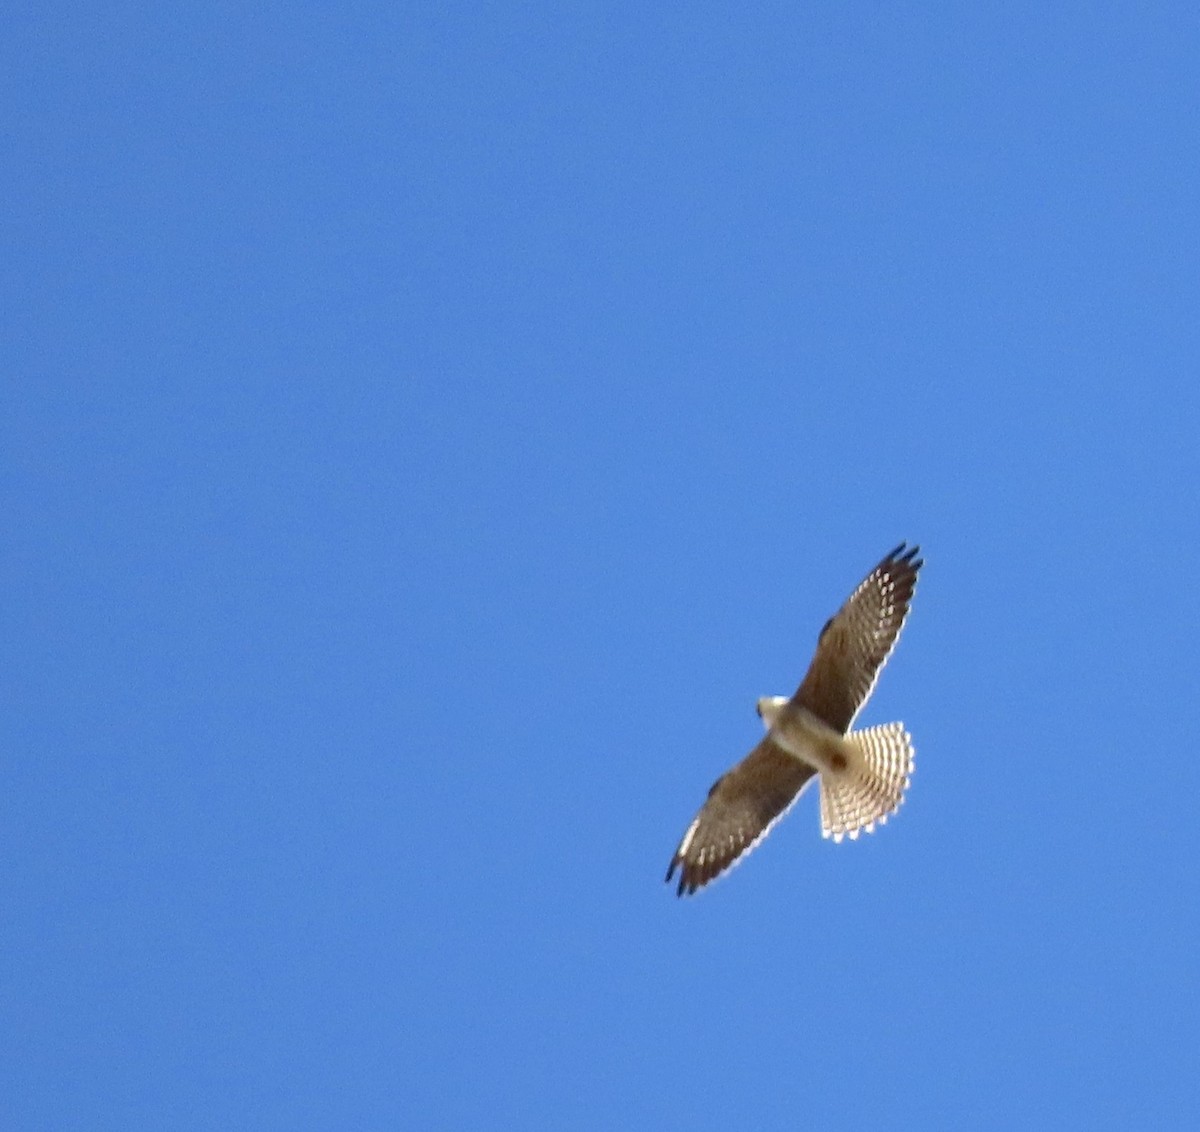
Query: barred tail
point(872, 786)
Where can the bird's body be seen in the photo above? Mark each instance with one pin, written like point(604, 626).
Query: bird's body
point(863, 774)
point(805, 737)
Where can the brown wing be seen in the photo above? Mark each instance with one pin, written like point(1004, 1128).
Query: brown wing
point(742, 806)
point(858, 639)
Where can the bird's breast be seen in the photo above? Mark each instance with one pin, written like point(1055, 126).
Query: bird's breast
point(807, 738)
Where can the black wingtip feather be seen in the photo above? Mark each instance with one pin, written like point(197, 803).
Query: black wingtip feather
point(906, 555)
point(902, 553)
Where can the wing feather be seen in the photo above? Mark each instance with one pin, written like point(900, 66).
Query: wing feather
point(742, 806)
point(857, 641)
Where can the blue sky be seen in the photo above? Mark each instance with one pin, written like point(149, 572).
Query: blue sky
point(428, 429)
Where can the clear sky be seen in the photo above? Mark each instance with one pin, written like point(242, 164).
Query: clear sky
point(427, 429)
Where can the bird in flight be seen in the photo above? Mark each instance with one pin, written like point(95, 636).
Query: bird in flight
point(863, 774)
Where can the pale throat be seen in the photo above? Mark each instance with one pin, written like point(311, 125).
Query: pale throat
point(769, 708)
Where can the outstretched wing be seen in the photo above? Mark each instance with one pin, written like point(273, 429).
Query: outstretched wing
point(742, 806)
point(858, 639)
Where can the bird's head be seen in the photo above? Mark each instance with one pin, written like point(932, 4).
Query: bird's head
point(768, 708)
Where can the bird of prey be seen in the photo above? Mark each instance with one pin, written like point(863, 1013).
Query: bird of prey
point(863, 774)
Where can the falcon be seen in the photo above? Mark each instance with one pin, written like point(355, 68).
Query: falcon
point(863, 774)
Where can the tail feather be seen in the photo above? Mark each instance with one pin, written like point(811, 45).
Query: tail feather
point(872, 787)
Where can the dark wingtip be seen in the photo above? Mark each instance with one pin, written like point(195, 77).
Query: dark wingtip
point(687, 879)
point(906, 554)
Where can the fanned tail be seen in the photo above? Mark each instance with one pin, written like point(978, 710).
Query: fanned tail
point(872, 786)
